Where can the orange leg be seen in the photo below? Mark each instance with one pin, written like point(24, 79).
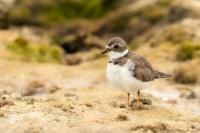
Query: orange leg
point(138, 98)
point(128, 98)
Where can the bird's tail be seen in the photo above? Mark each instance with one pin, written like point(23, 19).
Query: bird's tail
point(161, 74)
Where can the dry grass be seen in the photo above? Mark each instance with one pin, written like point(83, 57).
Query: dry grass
point(186, 74)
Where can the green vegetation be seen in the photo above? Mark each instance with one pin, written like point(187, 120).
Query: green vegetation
point(187, 50)
point(165, 3)
point(47, 12)
point(37, 52)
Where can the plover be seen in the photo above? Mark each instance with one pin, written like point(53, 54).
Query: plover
point(128, 70)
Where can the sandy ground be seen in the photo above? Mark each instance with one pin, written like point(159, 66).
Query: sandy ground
point(77, 99)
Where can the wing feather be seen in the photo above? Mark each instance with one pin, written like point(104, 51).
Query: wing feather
point(143, 69)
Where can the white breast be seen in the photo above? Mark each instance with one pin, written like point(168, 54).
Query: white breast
point(122, 77)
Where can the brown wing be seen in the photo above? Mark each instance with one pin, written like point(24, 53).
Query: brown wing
point(143, 70)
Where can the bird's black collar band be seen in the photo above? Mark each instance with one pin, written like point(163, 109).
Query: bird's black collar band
point(115, 61)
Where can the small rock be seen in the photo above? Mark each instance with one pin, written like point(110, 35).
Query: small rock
point(89, 105)
point(122, 106)
point(53, 88)
point(122, 117)
point(72, 59)
point(33, 87)
point(172, 101)
point(188, 94)
point(1, 114)
point(69, 95)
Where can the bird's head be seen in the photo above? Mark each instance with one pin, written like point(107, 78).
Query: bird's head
point(116, 47)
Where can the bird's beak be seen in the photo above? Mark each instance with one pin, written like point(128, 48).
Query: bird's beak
point(105, 51)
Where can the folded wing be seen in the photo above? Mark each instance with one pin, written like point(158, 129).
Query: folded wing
point(143, 70)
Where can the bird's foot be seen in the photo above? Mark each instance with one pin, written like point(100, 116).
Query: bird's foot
point(141, 104)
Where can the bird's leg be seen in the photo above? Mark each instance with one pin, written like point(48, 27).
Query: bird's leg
point(138, 98)
point(128, 98)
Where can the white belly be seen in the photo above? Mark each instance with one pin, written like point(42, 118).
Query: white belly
point(121, 77)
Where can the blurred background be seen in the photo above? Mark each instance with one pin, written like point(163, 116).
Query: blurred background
point(50, 49)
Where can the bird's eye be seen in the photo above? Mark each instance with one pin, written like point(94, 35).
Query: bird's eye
point(116, 46)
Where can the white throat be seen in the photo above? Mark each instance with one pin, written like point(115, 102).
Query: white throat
point(115, 55)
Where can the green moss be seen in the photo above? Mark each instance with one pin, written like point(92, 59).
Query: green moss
point(165, 3)
point(187, 50)
point(21, 42)
point(47, 12)
point(36, 52)
point(21, 47)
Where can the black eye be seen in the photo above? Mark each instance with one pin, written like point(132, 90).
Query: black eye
point(116, 46)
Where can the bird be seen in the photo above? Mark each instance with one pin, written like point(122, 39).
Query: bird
point(128, 70)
